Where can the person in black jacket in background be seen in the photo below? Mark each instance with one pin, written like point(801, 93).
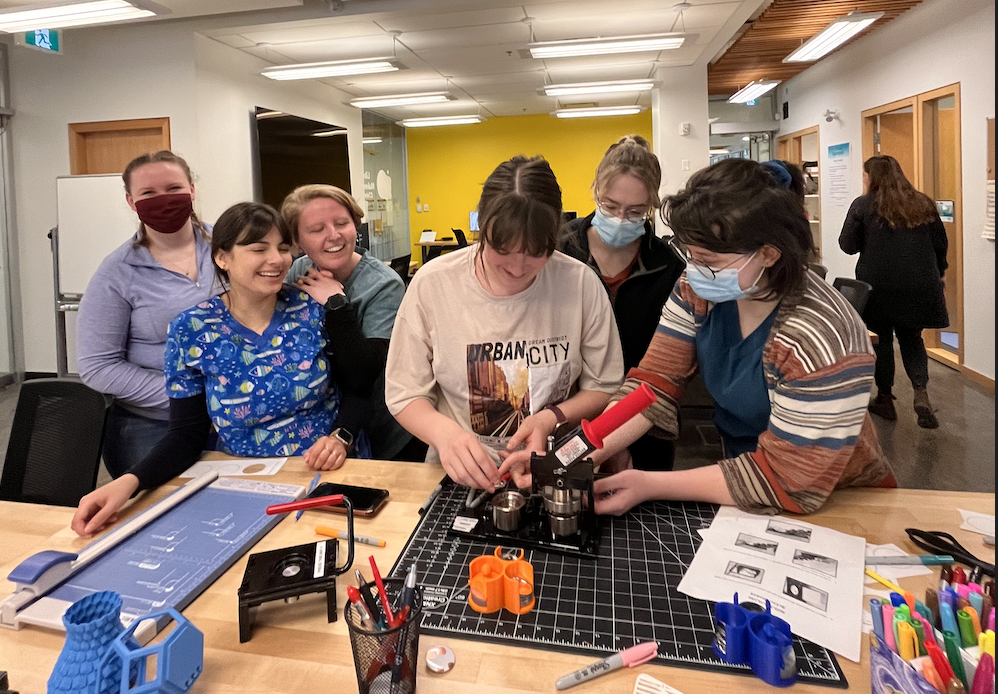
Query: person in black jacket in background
point(638, 268)
point(902, 253)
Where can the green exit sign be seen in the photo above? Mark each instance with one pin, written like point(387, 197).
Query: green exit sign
point(47, 40)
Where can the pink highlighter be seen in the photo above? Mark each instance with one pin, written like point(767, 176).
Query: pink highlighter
point(888, 631)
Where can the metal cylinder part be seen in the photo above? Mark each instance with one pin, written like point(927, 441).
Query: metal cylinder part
point(506, 510)
point(562, 502)
point(563, 526)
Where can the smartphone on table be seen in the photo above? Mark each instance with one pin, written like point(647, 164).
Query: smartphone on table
point(366, 500)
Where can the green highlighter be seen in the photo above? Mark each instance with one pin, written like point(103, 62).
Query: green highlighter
point(966, 623)
point(954, 657)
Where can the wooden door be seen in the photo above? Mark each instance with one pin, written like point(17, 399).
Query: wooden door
point(897, 139)
point(107, 146)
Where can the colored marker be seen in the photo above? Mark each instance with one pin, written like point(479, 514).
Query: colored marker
point(385, 605)
point(917, 625)
point(331, 500)
point(987, 609)
point(932, 603)
point(967, 636)
point(948, 617)
point(959, 575)
point(877, 615)
point(884, 582)
point(342, 535)
point(984, 678)
point(946, 574)
point(911, 559)
point(975, 574)
point(953, 656)
point(932, 677)
point(922, 610)
point(889, 628)
point(939, 661)
point(358, 604)
point(927, 629)
point(897, 599)
point(977, 602)
point(907, 642)
point(631, 657)
point(430, 498)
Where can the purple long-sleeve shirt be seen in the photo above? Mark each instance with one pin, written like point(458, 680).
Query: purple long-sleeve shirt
point(124, 314)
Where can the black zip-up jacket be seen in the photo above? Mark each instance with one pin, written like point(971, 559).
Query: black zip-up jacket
point(639, 302)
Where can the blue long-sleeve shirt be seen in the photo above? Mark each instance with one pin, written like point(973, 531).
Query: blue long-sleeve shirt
point(121, 330)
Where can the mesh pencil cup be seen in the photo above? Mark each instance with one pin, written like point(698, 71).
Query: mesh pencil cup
point(382, 668)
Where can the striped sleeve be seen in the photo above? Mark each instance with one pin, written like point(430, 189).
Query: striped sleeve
point(671, 358)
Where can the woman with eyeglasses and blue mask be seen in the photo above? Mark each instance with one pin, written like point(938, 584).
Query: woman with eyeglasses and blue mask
point(638, 269)
point(785, 357)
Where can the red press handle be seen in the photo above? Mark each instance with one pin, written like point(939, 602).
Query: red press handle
point(608, 422)
point(331, 500)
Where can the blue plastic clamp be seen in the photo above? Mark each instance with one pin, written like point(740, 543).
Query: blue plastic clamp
point(757, 639)
point(179, 656)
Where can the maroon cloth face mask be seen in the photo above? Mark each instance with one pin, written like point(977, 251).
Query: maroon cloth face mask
point(166, 214)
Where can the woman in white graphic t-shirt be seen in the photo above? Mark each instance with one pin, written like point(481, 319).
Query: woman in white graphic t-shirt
point(498, 344)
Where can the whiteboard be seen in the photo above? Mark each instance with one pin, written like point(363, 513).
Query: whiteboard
point(93, 219)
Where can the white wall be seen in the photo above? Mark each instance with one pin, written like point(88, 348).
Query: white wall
point(208, 91)
point(935, 44)
point(680, 98)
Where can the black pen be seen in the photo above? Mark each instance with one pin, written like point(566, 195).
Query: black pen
point(368, 597)
point(431, 497)
point(409, 589)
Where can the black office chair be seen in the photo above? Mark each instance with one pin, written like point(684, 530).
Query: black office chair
point(364, 236)
point(820, 270)
point(55, 443)
point(461, 239)
point(401, 266)
point(856, 292)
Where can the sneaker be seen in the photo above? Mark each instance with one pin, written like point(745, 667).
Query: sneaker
point(923, 408)
point(883, 406)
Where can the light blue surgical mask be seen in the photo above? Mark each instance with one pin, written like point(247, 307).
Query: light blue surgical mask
point(718, 286)
point(617, 232)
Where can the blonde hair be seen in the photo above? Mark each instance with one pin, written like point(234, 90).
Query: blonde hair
point(164, 156)
point(631, 155)
point(296, 200)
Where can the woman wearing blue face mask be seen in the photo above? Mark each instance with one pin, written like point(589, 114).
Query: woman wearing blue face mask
point(785, 357)
point(638, 268)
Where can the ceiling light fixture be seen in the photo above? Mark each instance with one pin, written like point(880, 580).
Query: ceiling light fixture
point(78, 14)
point(598, 111)
point(329, 133)
point(718, 151)
point(331, 68)
point(752, 91)
point(371, 140)
point(440, 120)
point(401, 100)
point(598, 87)
point(833, 36)
point(605, 46)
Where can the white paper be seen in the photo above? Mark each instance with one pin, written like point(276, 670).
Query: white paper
point(812, 576)
point(980, 523)
point(237, 467)
point(839, 163)
point(892, 572)
point(427, 237)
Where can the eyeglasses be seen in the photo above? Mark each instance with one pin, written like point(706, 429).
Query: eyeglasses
point(635, 213)
point(701, 267)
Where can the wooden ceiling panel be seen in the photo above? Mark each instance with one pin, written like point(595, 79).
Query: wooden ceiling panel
point(759, 52)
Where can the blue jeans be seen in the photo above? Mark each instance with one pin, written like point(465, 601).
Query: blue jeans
point(128, 438)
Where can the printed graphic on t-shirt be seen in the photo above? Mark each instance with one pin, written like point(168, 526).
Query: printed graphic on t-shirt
point(509, 381)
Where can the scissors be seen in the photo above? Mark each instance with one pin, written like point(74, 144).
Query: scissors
point(938, 542)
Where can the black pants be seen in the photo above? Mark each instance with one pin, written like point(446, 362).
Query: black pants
point(651, 453)
point(916, 361)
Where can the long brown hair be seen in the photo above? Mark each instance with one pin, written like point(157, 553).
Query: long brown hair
point(167, 157)
point(898, 202)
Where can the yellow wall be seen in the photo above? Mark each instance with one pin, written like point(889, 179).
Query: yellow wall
point(448, 165)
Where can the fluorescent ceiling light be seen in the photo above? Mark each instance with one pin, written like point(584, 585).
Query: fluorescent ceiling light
point(401, 100)
point(329, 133)
point(264, 115)
point(598, 87)
point(371, 140)
point(718, 151)
point(332, 68)
point(753, 90)
point(833, 36)
point(605, 46)
point(77, 14)
point(598, 111)
point(440, 120)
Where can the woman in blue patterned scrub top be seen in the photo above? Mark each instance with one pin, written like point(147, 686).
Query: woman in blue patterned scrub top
point(251, 362)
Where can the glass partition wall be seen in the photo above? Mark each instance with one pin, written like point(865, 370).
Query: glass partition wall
point(385, 187)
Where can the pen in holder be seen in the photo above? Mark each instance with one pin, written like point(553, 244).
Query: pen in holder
point(385, 659)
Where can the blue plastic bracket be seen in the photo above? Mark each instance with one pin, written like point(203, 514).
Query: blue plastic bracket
point(179, 657)
point(757, 639)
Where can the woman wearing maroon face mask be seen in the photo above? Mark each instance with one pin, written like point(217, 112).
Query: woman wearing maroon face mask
point(144, 284)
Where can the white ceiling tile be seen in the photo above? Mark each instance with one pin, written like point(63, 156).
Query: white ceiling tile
point(513, 33)
point(407, 22)
point(319, 30)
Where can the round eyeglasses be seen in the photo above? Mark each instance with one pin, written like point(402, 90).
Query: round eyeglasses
point(634, 214)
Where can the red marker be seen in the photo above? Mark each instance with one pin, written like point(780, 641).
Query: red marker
point(959, 575)
point(331, 500)
point(385, 605)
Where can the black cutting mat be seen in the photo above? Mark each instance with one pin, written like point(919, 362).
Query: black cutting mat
point(626, 596)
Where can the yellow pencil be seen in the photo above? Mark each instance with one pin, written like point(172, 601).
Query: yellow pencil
point(880, 579)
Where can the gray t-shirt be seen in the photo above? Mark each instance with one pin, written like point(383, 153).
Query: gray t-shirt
point(375, 291)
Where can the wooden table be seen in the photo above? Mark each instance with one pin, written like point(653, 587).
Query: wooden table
point(293, 649)
point(425, 247)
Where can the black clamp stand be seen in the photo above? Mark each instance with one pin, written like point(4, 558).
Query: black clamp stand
point(282, 574)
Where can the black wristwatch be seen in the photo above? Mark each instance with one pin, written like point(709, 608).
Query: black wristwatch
point(343, 436)
point(337, 301)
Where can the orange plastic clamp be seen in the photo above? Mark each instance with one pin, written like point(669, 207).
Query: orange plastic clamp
point(497, 581)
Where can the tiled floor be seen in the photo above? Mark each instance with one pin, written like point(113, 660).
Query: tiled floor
point(959, 455)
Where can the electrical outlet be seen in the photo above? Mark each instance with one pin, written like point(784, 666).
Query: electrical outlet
point(686, 164)
point(684, 129)
point(419, 208)
point(426, 207)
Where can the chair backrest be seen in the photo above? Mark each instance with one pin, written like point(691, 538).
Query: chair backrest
point(364, 236)
point(461, 239)
point(856, 292)
point(401, 266)
point(54, 451)
point(820, 270)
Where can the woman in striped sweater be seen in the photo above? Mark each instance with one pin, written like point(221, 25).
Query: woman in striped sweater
point(786, 358)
